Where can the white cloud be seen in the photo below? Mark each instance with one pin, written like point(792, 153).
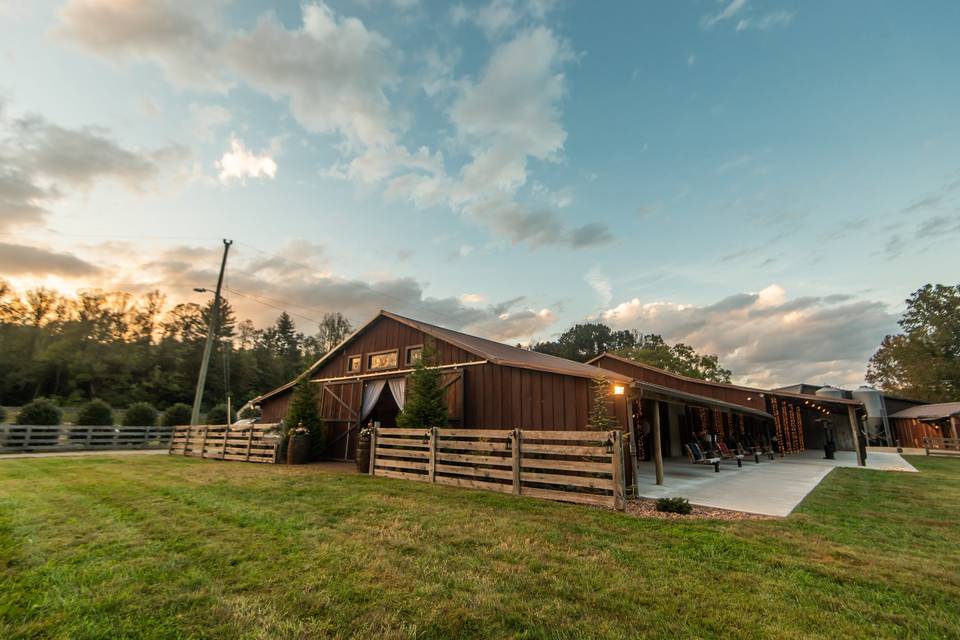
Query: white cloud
point(600, 285)
point(767, 21)
point(729, 11)
point(472, 298)
point(41, 162)
point(498, 17)
point(691, 59)
point(333, 71)
point(768, 339)
point(239, 163)
point(335, 74)
point(207, 119)
point(172, 34)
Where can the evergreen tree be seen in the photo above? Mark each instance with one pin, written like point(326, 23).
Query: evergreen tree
point(140, 414)
point(177, 415)
point(600, 419)
point(305, 409)
point(426, 404)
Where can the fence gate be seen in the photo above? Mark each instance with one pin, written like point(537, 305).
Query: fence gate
point(247, 443)
point(570, 466)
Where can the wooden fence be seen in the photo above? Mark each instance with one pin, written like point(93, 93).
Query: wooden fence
point(15, 438)
point(249, 443)
point(570, 466)
point(941, 446)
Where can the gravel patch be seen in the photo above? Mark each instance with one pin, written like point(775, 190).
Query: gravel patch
point(647, 508)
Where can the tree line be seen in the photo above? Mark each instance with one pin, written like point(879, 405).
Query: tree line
point(125, 348)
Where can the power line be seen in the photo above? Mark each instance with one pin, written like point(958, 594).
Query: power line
point(273, 306)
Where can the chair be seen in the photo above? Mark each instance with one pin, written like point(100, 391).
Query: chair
point(696, 456)
point(726, 454)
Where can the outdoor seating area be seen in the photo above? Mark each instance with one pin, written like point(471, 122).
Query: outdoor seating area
point(772, 488)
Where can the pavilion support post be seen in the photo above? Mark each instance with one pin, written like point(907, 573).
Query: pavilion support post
point(657, 453)
point(954, 422)
point(855, 430)
point(634, 451)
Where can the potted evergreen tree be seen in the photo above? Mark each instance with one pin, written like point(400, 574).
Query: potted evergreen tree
point(306, 437)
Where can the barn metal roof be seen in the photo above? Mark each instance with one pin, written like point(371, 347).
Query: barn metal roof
point(930, 411)
point(490, 350)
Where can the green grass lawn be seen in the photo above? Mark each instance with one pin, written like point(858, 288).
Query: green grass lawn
point(158, 547)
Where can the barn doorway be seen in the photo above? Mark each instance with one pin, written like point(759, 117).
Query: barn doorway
point(386, 410)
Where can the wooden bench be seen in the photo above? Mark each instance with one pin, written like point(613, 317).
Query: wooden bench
point(941, 446)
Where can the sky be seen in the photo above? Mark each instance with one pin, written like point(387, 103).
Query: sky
point(763, 180)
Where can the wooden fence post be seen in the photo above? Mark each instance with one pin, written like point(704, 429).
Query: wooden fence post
point(249, 440)
point(203, 445)
point(516, 438)
point(223, 449)
point(186, 443)
point(89, 436)
point(432, 469)
point(29, 432)
point(373, 451)
point(618, 489)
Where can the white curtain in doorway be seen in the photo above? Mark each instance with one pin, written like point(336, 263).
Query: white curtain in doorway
point(371, 393)
point(398, 387)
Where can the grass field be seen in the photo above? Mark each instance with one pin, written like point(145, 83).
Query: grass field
point(158, 547)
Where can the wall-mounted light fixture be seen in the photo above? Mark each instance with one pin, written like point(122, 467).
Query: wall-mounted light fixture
point(618, 389)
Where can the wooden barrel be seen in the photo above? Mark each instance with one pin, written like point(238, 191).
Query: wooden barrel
point(363, 454)
point(298, 449)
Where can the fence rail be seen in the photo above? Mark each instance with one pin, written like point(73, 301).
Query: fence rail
point(941, 446)
point(247, 443)
point(570, 466)
point(16, 438)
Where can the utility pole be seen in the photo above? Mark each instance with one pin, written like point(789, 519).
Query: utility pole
point(212, 327)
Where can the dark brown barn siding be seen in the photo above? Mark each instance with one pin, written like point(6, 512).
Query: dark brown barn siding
point(725, 393)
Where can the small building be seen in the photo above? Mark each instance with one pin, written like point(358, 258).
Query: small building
point(910, 426)
point(488, 385)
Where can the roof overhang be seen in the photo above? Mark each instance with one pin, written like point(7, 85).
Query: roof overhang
point(667, 394)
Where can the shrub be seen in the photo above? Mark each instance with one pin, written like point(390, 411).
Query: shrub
point(40, 412)
point(95, 413)
point(218, 415)
point(177, 415)
point(674, 505)
point(249, 412)
point(140, 414)
point(3, 415)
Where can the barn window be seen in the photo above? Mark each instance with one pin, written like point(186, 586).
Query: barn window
point(414, 354)
point(353, 363)
point(382, 360)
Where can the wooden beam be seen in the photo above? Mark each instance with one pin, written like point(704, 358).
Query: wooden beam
point(373, 451)
point(516, 437)
point(855, 430)
point(657, 453)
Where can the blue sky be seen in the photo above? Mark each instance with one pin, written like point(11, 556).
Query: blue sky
point(763, 180)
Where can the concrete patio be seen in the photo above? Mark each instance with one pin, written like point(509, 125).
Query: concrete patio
point(773, 487)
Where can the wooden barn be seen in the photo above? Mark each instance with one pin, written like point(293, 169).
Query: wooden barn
point(910, 426)
point(488, 384)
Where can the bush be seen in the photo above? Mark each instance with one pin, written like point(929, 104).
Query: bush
point(140, 414)
point(95, 413)
point(674, 505)
point(218, 415)
point(40, 412)
point(177, 415)
point(3, 415)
